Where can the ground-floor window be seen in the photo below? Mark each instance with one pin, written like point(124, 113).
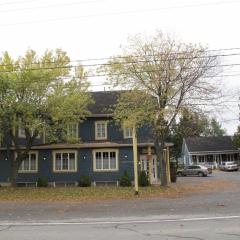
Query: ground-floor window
point(105, 160)
point(209, 159)
point(65, 161)
point(201, 159)
point(194, 159)
point(30, 163)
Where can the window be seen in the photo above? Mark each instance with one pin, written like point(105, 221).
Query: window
point(101, 130)
point(194, 159)
point(105, 160)
point(30, 163)
point(127, 132)
point(65, 161)
point(72, 130)
point(21, 131)
point(201, 159)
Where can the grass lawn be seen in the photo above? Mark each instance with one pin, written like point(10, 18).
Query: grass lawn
point(77, 194)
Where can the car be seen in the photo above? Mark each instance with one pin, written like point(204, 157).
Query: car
point(194, 170)
point(228, 166)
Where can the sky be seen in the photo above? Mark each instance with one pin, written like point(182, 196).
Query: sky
point(93, 29)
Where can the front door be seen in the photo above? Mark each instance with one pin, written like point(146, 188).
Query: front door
point(146, 164)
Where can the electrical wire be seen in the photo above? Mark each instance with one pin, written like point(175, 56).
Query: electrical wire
point(122, 13)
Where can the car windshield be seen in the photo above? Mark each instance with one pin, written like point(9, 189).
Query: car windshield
point(230, 163)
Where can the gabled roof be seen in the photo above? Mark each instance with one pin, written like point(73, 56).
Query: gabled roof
point(104, 101)
point(210, 144)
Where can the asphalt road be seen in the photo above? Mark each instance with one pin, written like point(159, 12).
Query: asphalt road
point(208, 215)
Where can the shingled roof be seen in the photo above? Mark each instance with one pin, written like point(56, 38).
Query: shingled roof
point(208, 144)
point(104, 101)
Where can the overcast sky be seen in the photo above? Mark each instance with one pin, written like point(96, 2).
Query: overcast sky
point(89, 29)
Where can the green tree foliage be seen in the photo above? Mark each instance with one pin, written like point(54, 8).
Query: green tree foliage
point(132, 110)
point(236, 137)
point(216, 128)
point(192, 124)
point(171, 71)
point(36, 97)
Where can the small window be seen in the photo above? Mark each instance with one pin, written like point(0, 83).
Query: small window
point(101, 130)
point(105, 160)
point(65, 161)
point(29, 164)
point(127, 132)
point(72, 130)
point(21, 131)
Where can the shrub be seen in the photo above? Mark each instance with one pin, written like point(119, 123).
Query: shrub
point(84, 181)
point(143, 179)
point(42, 182)
point(125, 180)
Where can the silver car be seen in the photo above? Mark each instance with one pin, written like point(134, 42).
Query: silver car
point(228, 166)
point(194, 170)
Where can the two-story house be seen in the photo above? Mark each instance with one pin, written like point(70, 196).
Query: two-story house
point(104, 152)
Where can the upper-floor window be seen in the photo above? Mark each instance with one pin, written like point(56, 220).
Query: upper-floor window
point(22, 133)
point(65, 161)
point(101, 130)
point(127, 132)
point(72, 130)
point(30, 163)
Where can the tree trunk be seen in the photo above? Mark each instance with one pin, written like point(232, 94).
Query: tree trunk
point(14, 172)
point(159, 146)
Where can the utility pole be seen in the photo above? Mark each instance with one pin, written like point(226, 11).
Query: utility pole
point(135, 159)
point(168, 165)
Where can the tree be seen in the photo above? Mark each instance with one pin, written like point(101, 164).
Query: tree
point(192, 124)
point(133, 112)
point(236, 137)
point(175, 73)
point(216, 128)
point(35, 97)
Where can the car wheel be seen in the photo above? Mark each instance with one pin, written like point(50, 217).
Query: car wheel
point(200, 174)
point(179, 174)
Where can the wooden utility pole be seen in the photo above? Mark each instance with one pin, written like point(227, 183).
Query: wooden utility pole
point(149, 156)
point(168, 165)
point(135, 159)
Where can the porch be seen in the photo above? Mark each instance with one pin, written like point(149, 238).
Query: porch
point(214, 159)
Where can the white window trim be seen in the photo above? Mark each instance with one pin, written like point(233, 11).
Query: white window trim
point(106, 134)
point(125, 133)
point(23, 135)
point(30, 171)
point(68, 130)
point(64, 151)
point(105, 150)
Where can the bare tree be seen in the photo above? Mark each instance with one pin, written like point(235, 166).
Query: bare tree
point(176, 73)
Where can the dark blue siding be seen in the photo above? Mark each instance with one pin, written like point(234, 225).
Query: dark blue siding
point(84, 156)
point(84, 167)
point(5, 166)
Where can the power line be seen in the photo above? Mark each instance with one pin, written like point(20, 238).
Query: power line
point(111, 58)
point(16, 2)
point(100, 75)
point(96, 85)
point(122, 13)
point(137, 56)
point(50, 6)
